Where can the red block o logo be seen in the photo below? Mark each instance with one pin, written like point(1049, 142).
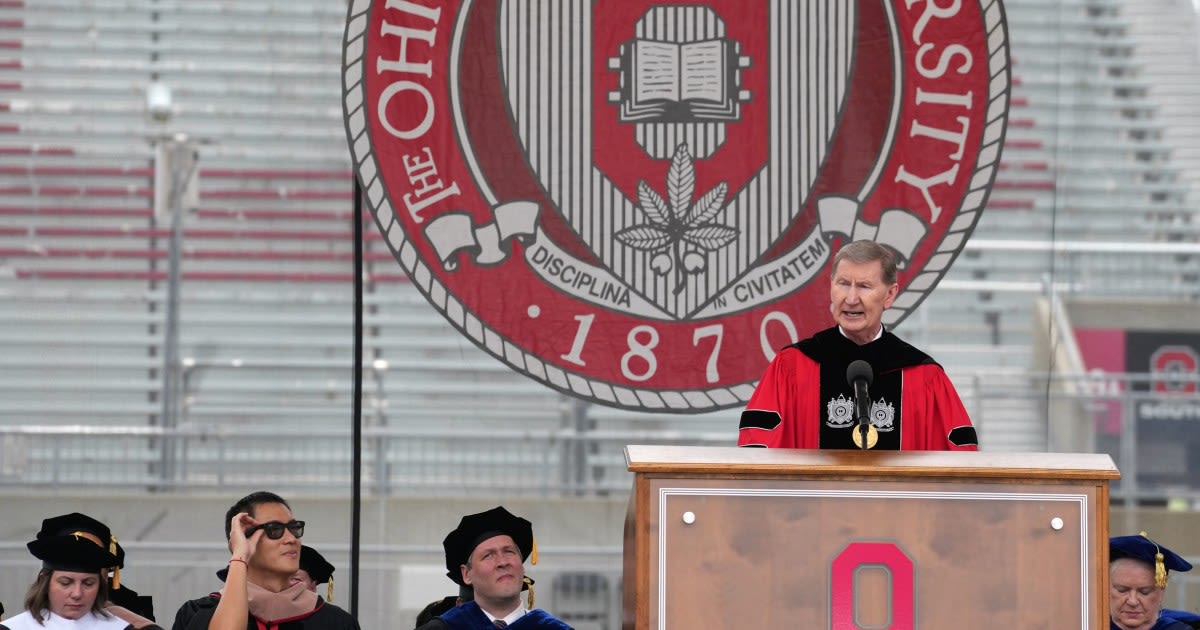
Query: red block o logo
point(1169, 361)
point(857, 555)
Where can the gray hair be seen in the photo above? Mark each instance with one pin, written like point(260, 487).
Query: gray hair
point(866, 251)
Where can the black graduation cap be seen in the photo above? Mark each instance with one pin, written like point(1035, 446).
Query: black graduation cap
point(318, 568)
point(77, 542)
point(1140, 547)
point(476, 528)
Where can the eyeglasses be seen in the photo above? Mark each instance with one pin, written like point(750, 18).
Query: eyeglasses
point(274, 529)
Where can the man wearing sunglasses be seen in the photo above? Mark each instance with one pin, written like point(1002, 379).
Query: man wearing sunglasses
point(264, 539)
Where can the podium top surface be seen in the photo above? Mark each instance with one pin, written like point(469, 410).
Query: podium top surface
point(694, 460)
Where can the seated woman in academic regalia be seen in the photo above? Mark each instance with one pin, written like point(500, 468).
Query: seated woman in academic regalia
point(71, 590)
point(1137, 574)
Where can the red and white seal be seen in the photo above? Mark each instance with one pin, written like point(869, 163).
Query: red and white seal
point(636, 202)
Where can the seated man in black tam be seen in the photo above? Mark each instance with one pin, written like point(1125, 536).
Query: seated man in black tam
point(487, 552)
point(1137, 581)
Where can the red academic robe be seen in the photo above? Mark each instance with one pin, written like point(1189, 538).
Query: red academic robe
point(786, 409)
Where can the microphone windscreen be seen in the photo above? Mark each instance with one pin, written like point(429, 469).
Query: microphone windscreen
point(859, 369)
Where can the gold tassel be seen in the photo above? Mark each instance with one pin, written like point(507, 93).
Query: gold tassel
point(1160, 571)
point(1160, 567)
point(329, 590)
point(112, 548)
point(533, 558)
point(529, 584)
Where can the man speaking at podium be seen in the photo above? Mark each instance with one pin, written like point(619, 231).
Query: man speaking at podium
point(856, 381)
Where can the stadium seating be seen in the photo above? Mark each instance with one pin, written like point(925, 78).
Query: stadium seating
point(1102, 148)
point(267, 253)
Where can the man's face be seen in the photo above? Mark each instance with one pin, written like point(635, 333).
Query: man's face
point(495, 570)
point(858, 297)
point(1133, 599)
point(72, 594)
point(275, 557)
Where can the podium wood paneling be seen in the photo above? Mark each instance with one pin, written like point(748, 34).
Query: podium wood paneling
point(754, 538)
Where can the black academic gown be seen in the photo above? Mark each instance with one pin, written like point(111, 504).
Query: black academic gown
point(470, 617)
point(197, 613)
point(129, 599)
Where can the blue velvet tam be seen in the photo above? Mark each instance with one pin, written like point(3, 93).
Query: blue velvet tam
point(1142, 548)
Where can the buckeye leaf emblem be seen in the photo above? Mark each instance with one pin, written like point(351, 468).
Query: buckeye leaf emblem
point(679, 232)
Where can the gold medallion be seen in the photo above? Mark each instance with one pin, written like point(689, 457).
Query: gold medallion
point(872, 437)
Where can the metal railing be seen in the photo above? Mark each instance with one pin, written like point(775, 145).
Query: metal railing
point(396, 461)
point(567, 455)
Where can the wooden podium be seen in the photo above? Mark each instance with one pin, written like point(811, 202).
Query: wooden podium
point(843, 540)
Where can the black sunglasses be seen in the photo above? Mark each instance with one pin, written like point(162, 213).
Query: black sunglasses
point(274, 529)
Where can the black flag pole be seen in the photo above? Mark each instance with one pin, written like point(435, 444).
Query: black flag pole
point(356, 433)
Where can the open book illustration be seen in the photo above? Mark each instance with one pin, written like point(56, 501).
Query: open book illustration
point(680, 82)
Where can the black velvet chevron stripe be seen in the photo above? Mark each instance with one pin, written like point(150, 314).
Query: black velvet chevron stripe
point(964, 436)
point(758, 419)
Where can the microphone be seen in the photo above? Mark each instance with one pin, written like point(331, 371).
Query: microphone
point(859, 375)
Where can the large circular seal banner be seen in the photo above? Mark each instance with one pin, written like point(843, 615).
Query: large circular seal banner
point(637, 202)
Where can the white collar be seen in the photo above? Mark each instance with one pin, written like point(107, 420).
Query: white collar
point(878, 333)
point(508, 619)
point(90, 621)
